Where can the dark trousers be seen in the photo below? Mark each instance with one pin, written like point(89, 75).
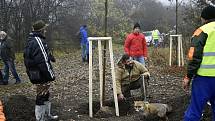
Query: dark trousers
point(9, 64)
point(126, 89)
point(42, 93)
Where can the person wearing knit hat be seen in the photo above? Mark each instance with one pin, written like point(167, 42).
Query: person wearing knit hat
point(200, 68)
point(37, 59)
point(129, 76)
point(39, 25)
point(136, 25)
point(135, 45)
point(208, 13)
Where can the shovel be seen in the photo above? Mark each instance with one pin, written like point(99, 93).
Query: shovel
point(144, 89)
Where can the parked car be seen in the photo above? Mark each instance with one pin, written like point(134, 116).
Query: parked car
point(148, 37)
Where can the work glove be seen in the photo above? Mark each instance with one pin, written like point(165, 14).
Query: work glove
point(186, 83)
point(146, 75)
point(52, 58)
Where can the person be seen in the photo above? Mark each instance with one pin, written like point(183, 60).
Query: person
point(8, 56)
point(37, 59)
point(200, 68)
point(2, 116)
point(84, 44)
point(156, 37)
point(129, 76)
point(135, 45)
point(161, 40)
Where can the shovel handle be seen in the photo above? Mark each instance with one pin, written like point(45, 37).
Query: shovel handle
point(144, 88)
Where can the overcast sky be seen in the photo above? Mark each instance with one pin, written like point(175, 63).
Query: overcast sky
point(166, 2)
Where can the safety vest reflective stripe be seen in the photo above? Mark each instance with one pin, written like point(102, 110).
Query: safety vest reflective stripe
point(209, 54)
point(207, 67)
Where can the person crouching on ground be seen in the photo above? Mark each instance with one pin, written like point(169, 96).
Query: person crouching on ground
point(129, 75)
point(37, 59)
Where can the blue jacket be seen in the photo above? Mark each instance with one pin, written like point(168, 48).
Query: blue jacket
point(84, 36)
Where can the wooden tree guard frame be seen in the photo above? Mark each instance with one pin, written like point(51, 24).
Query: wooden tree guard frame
point(99, 40)
point(179, 50)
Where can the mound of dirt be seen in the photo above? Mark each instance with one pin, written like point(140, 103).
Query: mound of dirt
point(19, 108)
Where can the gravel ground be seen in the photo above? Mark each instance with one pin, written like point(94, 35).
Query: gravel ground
point(69, 93)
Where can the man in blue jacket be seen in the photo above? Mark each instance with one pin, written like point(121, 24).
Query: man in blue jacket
point(84, 44)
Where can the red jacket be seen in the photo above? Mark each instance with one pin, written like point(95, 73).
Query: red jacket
point(135, 45)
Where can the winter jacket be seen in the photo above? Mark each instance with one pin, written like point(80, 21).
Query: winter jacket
point(123, 77)
point(84, 41)
point(6, 50)
point(84, 36)
point(37, 57)
point(195, 53)
point(135, 45)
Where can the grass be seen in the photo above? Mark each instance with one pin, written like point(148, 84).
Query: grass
point(12, 89)
point(159, 58)
point(19, 57)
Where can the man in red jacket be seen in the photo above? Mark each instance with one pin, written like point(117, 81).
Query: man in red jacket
point(135, 45)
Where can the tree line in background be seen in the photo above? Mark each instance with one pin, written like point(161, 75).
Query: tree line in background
point(66, 16)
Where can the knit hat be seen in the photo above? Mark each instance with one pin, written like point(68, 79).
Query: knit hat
point(2, 34)
point(39, 25)
point(208, 12)
point(124, 58)
point(136, 25)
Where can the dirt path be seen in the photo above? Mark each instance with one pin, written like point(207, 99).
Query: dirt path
point(69, 93)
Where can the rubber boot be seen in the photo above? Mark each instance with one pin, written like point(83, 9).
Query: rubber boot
point(40, 112)
point(48, 111)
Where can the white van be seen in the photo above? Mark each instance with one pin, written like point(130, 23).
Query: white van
point(148, 37)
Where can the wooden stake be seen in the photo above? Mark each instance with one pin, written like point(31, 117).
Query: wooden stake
point(182, 55)
point(90, 80)
point(179, 51)
point(99, 39)
point(100, 72)
point(113, 77)
point(170, 51)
